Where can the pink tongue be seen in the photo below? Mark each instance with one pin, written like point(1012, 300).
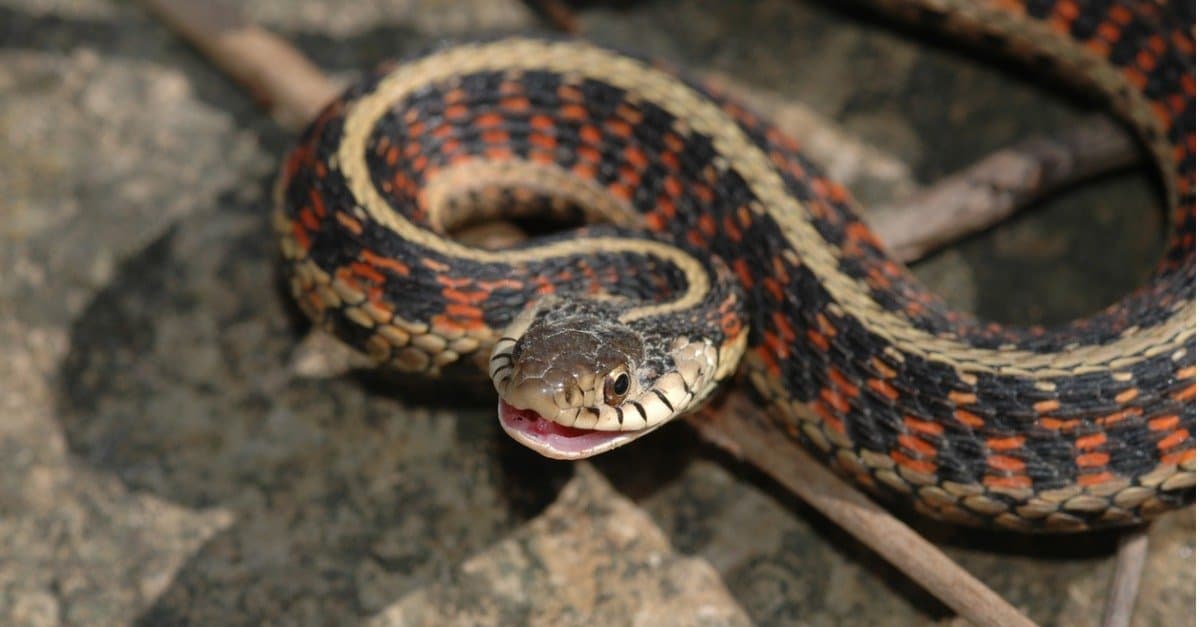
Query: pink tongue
point(552, 436)
point(529, 421)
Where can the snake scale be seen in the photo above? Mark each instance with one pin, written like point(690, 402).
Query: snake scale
point(711, 248)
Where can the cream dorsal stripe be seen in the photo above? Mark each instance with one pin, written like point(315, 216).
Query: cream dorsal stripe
point(702, 115)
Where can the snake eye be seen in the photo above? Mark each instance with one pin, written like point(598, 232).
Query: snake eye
point(616, 386)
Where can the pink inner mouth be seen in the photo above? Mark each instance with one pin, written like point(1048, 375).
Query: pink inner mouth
point(551, 437)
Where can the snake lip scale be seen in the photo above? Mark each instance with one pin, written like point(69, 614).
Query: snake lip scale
point(714, 251)
point(557, 441)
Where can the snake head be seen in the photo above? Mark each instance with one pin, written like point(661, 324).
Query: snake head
point(575, 380)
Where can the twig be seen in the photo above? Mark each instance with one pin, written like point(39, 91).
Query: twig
point(295, 90)
point(282, 79)
point(965, 202)
point(560, 16)
point(1127, 574)
point(995, 187)
point(735, 427)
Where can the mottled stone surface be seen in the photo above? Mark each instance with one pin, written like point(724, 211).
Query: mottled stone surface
point(592, 558)
point(160, 462)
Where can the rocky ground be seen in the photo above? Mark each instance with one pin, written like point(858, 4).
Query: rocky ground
point(160, 463)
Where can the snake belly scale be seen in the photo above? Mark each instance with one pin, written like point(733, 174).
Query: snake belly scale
point(716, 249)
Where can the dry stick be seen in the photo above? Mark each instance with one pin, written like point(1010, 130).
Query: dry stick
point(282, 79)
point(957, 205)
point(295, 90)
point(737, 426)
point(1127, 574)
point(558, 14)
point(994, 188)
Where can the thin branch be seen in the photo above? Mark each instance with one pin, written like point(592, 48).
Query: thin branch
point(1127, 575)
point(960, 204)
point(995, 187)
point(558, 14)
point(736, 426)
point(278, 76)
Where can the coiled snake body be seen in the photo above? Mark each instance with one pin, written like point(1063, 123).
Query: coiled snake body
point(725, 251)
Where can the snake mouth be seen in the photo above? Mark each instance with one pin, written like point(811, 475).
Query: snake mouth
point(559, 441)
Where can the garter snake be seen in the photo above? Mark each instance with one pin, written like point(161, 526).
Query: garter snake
point(715, 248)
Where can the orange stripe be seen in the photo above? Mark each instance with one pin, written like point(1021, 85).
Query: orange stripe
point(1175, 438)
point(300, 235)
point(367, 272)
point(817, 340)
point(843, 384)
point(1163, 423)
point(1120, 14)
point(396, 266)
point(489, 119)
point(1090, 479)
point(880, 367)
point(349, 223)
point(922, 426)
point(515, 103)
point(1115, 417)
point(318, 202)
point(1126, 396)
point(967, 418)
point(884, 388)
point(962, 398)
point(588, 153)
point(1006, 463)
point(590, 134)
point(459, 310)
point(1045, 407)
point(774, 288)
point(543, 141)
point(1090, 441)
point(768, 359)
point(917, 445)
point(1012, 482)
point(834, 400)
point(619, 128)
point(465, 297)
point(309, 220)
point(1181, 457)
point(834, 422)
point(1006, 444)
point(1186, 394)
point(1057, 424)
point(494, 137)
point(637, 158)
point(918, 465)
point(1092, 459)
point(573, 112)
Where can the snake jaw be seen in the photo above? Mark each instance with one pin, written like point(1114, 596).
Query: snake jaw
point(556, 441)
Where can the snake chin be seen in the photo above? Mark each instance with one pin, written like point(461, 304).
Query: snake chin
point(557, 441)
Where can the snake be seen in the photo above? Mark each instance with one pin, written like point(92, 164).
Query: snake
point(680, 241)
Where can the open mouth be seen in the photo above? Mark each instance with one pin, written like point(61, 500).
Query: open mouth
point(556, 441)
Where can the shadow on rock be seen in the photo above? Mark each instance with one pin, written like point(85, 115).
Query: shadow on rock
point(343, 499)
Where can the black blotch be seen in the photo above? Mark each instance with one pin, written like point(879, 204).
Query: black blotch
point(1050, 461)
